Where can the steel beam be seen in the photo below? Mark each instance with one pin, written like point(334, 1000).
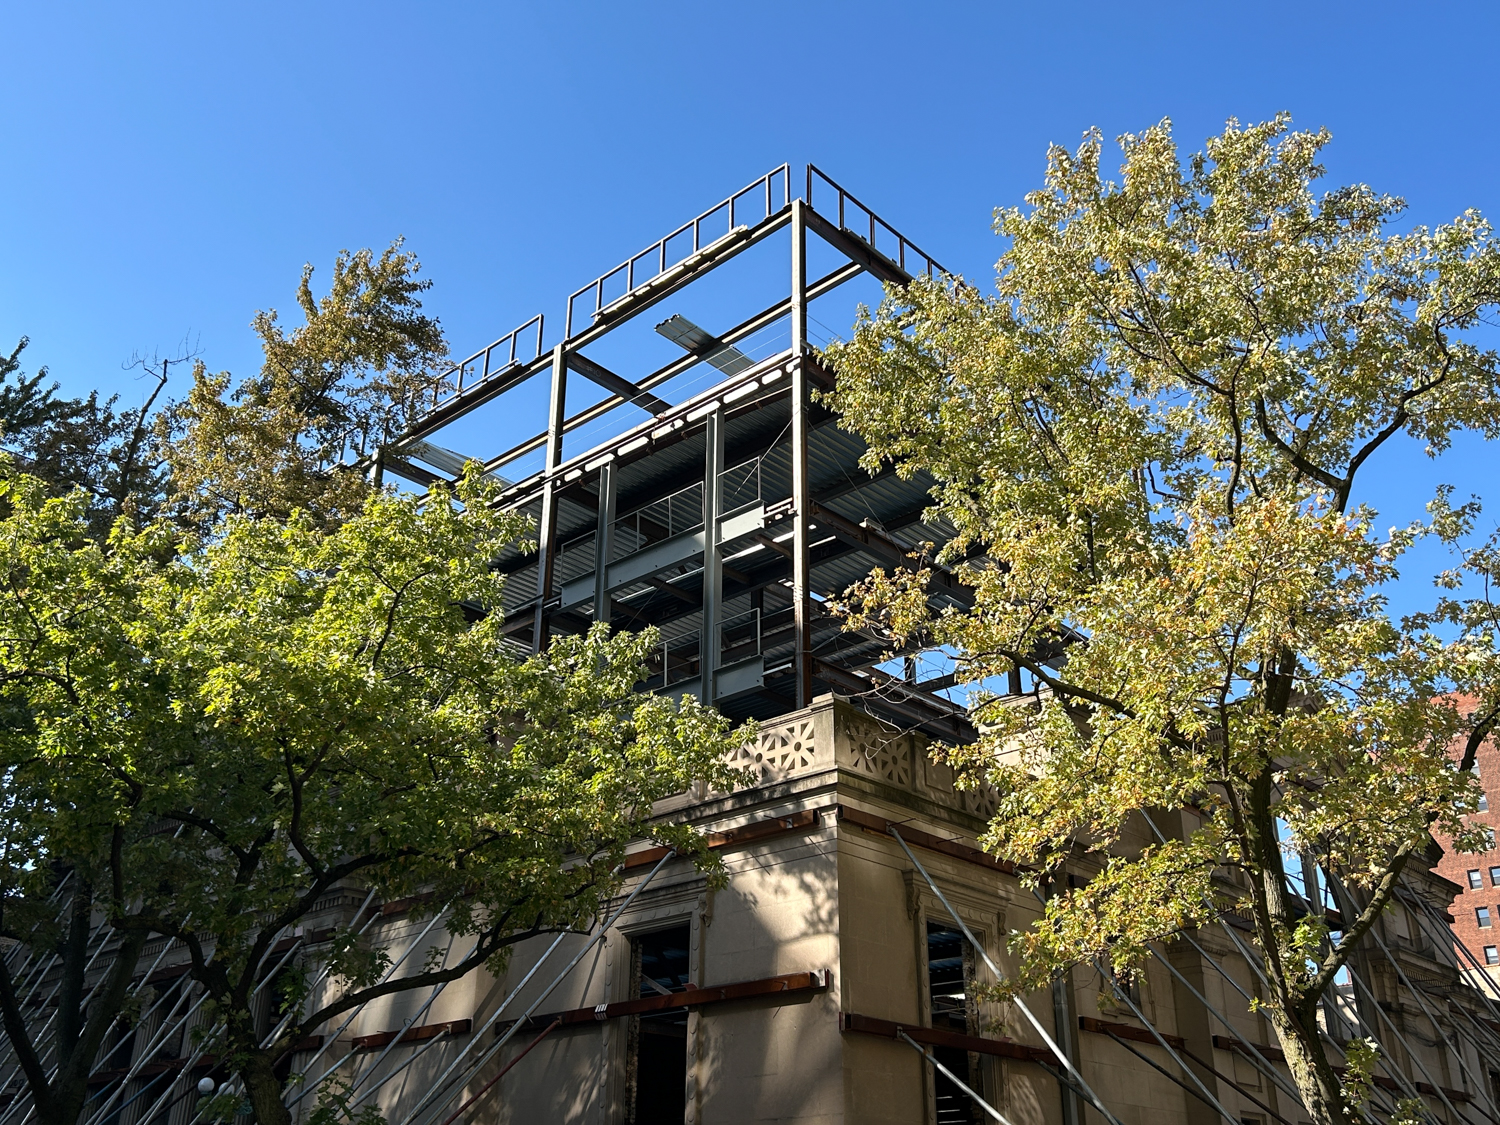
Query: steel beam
point(547, 532)
point(801, 490)
point(617, 385)
point(604, 542)
point(713, 564)
point(767, 317)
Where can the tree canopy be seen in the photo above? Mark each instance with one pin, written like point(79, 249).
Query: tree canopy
point(291, 680)
point(1149, 439)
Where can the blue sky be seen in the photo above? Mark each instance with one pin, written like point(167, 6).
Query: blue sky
point(169, 167)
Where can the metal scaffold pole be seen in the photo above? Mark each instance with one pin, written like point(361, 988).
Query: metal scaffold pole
point(801, 487)
point(1057, 1052)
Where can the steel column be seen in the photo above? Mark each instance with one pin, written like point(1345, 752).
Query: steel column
point(547, 532)
point(713, 565)
point(801, 489)
point(604, 543)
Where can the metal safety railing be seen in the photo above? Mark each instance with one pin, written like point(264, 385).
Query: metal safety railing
point(661, 519)
point(751, 205)
point(673, 661)
point(853, 217)
point(740, 636)
point(741, 485)
point(504, 354)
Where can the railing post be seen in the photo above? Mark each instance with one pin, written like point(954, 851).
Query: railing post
point(547, 532)
point(603, 543)
point(801, 492)
point(713, 565)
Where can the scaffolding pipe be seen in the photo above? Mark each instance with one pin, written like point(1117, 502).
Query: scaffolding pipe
point(1387, 1064)
point(1207, 1096)
point(955, 1079)
point(1170, 1077)
point(1245, 954)
point(435, 1090)
point(145, 1055)
point(1436, 1026)
point(504, 1070)
point(406, 1025)
point(1252, 1054)
point(350, 1018)
point(1468, 954)
point(48, 1051)
point(1057, 1051)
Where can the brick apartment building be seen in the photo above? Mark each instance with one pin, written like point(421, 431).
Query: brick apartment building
point(1476, 908)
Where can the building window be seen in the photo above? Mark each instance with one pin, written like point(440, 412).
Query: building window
point(1491, 955)
point(1484, 802)
point(657, 1075)
point(1489, 837)
point(1482, 916)
point(1476, 880)
point(949, 970)
point(1495, 876)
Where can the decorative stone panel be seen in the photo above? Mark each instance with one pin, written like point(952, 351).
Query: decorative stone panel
point(869, 748)
point(871, 751)
point(781, 751)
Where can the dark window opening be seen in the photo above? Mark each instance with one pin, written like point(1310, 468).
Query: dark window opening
point(658, 1040)
point(1126, 985)
point(949, 971)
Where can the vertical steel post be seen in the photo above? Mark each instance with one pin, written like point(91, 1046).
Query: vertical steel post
point(604, 542)
point(713, 565)
point(801, 492)
point(547, 532)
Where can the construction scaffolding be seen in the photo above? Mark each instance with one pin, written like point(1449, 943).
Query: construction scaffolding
point(695, 482)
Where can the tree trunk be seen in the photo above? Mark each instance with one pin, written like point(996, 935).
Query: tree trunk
point(264, 1089)
point(59, 1096)
point(1311, 1072)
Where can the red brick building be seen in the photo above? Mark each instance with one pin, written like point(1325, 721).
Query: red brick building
point(1476, 909)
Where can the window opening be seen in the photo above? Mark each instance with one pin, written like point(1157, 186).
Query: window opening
point(1491, 955)
point(1495, 876)
point(1128, 983)
point(949, 973)
point(658, 1040)
point(1476, 880)
point(1482, 917)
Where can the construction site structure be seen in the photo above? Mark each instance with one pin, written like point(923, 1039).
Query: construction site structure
point(836, 975)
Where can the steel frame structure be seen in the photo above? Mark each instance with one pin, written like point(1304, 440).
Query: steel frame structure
point(725, 520)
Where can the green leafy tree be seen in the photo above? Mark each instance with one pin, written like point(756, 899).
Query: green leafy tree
point(287, 681)
point(83, 443)
point(241, 725)
point(329, 395)
point(1152, 435)
point(352, 370)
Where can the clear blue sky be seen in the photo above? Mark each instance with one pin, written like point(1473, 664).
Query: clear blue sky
point(169, 167)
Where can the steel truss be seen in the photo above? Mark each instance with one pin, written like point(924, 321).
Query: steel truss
point(725, 519)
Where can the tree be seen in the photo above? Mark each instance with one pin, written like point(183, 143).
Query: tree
point(265, 448)
point(288, 680)
point(231, 728)
point(1152, 435)
point(329, 395)
point(83, 443)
